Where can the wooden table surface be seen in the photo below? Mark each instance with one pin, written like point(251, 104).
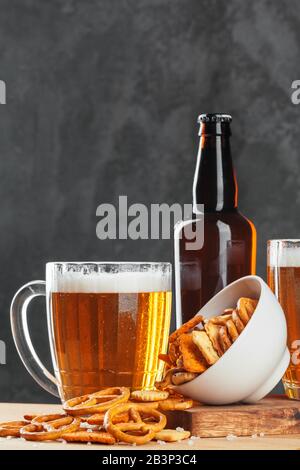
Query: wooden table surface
point(14, 411)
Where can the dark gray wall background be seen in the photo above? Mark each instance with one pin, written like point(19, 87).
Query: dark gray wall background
point(102, 100)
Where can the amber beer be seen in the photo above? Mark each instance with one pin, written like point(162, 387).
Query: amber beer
point(284, 280)
point(109, 329)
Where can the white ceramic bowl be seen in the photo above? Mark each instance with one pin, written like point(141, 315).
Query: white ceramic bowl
point(256, 361)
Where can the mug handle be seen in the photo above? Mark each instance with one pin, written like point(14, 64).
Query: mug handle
point(20, 331)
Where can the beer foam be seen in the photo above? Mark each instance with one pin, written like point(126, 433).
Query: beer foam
point(97, 283)
point(285, 257)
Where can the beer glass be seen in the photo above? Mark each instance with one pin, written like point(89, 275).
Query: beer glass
point(284, 280)
point(107, 323)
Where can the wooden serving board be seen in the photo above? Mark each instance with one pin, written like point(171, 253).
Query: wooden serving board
point(270, 416)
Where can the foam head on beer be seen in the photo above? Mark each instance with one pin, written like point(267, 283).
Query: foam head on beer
point(284, 253)
point(119, 282)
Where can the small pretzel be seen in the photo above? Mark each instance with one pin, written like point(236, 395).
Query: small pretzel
point(141, 431)
point(237, 321)
point(221, 319)
point(171, 435)
point(149, 395)
point(167, 380)
point(96, 402)
point(82, 435)
point(49, 427)
point(11, 428)
point(174, 394)
point(29, 418)
point(166, 358)
point(147, 404)
point(97, 419)
point(246, 308)
point(189, 325)
point(232, 331)
point(224, 339)
point(180, 378)
point(153, 419)
point(175, 404)
point(174, 352)
point(47, 419)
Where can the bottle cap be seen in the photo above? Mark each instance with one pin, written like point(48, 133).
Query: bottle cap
point(214, 123)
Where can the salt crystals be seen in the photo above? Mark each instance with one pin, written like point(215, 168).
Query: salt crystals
point(179, 429)
point(161, 443)
point(231, 437)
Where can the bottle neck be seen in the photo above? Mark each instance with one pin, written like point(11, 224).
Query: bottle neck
point(215, 183)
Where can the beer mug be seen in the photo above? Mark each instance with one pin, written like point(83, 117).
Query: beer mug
point(107, 323)
point(284, 280)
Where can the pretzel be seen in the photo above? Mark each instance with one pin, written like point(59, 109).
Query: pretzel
point(11, 428)
point(149, 414)
point(165, 358)
point(141, 431)
point(97, 419)
point(174, 352)
point(212, 329)
point(149, 395)
point(171, 435)
point(193, 360)
point(38, 419)
point(246, 308)
point(232, 331)
point(167, 380)
point(174, 393)
point(29, 417)
point(224, 339)
point(82, 435)
point(179, 378)
point(192, 323)
point(96, 402)
point(49, 427)
point(147, 404)
point(175, 404)
point(228, 311)
point(237, 322)
point(193, 347)
point(202, 341)
point(221, 319)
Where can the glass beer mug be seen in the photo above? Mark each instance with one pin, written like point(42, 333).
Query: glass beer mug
point(284, 280)
point(107, 323)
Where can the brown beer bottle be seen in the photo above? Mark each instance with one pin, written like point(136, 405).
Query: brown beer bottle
point(228, 251)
